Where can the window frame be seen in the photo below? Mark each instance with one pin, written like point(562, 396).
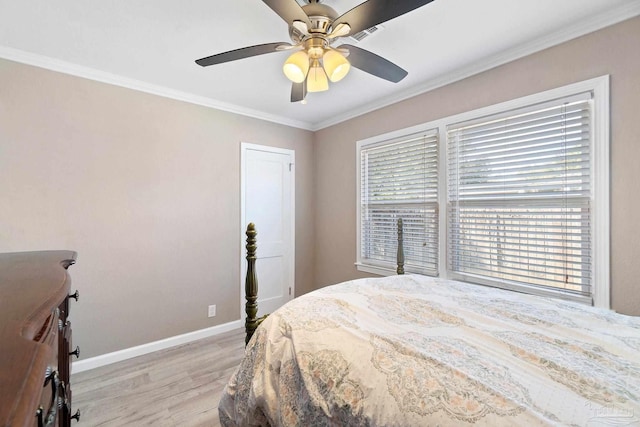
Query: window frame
point(420, 200)
point(600, 169)
point(379, 140)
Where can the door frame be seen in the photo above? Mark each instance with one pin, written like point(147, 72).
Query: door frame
point(244, 147)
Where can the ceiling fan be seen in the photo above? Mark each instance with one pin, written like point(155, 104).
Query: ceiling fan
point(313, 29)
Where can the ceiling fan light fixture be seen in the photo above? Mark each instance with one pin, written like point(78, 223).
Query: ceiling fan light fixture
point(296, 66)
point(336, 65)
point(317, 79)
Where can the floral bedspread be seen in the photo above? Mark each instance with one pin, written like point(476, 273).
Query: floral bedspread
point(417, 351)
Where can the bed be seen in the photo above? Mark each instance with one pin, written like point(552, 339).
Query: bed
point(411, 350)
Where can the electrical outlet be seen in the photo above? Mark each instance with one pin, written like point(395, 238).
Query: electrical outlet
point(212, 310)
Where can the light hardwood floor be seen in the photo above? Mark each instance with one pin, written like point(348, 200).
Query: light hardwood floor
point(180, 386)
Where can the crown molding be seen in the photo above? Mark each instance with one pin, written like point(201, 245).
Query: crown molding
point(64, 67)
point(612, 17)
point(579, 29)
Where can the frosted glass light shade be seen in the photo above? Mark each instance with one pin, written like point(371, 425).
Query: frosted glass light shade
point(335, 65)
point(296, 66)
point(317, 79)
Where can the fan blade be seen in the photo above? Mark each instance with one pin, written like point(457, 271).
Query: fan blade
point(374, 64)
point(241, 53)
point(374, 12)
point(289, 10)
point(299, 91)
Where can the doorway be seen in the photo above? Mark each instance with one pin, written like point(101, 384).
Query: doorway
point(268, 200)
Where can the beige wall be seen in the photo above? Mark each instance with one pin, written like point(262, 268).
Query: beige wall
point(146, 189)
point(613, 51)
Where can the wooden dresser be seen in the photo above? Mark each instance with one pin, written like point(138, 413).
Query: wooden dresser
point(35, 339)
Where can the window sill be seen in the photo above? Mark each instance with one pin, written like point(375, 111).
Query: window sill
point(380, 271)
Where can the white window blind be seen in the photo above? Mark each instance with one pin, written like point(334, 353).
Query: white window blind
point(399, 179)
point(519, 197)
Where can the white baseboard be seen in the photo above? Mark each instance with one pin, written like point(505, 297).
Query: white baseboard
point(128, 353)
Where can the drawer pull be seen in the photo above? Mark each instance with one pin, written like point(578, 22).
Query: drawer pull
point(76, 352)
point(63, 401)
point(75, 295)
point(50, 419)
point(76, 416)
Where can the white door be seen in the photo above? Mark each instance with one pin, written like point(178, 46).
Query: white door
point(268, 201)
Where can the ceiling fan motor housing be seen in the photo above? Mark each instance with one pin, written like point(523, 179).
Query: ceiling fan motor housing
point(321, 17)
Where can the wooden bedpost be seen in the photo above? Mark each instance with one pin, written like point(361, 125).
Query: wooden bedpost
point(400, 269)
point(251, 284)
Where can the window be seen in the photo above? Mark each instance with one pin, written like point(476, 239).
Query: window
point(519, 197)
point(526, 189)
point(399, 179)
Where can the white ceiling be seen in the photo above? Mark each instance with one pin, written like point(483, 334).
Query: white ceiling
point(151, 45)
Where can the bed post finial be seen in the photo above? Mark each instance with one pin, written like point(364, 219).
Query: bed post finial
point(251, 284)
point(400, 269)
